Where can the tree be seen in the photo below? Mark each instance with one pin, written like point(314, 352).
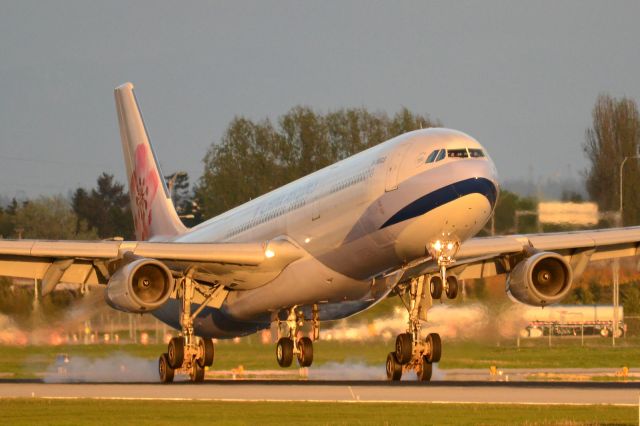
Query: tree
point(51, 218)
point(105, 208)
point(256, 157)
point(505, 213)
point(6, 224)
point(614, 135)
point(631, 298)
point(178, 185)
point(183, 198)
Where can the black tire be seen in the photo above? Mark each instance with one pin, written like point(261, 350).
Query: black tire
point(394, 368)
point(197, 373)
point(434, 342)
point(165, 370)
point(305, 354)
point(284, 352)
point(175, 352)
point(425, 370)
point(452, 287)
point(435, 287)
point(404, 348)
point(206, 347)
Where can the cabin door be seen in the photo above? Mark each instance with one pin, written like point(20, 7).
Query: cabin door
point(393, 167)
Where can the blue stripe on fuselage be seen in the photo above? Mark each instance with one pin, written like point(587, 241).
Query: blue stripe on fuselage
point(444, 195)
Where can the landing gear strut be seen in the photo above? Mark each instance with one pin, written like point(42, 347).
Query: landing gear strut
point(187, 353)
point(412, 352)
point(443, 252)
point(289, 345)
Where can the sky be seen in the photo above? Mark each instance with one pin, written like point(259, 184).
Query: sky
point(521, 77)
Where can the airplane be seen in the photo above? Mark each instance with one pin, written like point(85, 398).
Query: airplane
point(400, 217)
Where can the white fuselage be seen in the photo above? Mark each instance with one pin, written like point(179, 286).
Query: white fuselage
point(357, 220)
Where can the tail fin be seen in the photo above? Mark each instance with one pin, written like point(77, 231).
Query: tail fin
point(154, 216)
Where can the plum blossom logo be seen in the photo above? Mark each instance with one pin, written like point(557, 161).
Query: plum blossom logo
point(144, 185)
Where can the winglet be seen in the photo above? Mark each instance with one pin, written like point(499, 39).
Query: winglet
point(154, 215)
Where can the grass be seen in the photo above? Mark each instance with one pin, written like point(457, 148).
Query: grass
point(28, 361)
point(87, 412)
point(564, 353)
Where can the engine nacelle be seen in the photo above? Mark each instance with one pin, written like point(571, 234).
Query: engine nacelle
point(140, 286)
point(542, 279)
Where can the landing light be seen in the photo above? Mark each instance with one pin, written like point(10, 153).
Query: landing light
point(269, 253)
point(444, 250)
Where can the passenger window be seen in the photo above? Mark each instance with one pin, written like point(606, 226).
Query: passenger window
point(441, 155)
point(476, 153)
point(458, 153)
point(432, 157)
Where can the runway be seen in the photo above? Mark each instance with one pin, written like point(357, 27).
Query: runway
point(626, 394)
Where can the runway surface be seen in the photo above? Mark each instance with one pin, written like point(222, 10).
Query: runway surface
point(340, 391)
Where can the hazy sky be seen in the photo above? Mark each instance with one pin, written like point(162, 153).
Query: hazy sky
point(520, 77)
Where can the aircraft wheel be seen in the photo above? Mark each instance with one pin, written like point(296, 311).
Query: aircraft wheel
point(284, 352)
point(394, 368)
point(197, 373)
point(434, 342)
point(206, 348)
point(175, 352)
point(425, 370)
point(435, 287)
point(305, 354)
point(165, 370)
point(452, 287)
point(404, 348)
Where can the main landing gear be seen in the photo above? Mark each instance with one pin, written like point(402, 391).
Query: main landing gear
point(187, 354)
point(412, 352)
point(288, 343)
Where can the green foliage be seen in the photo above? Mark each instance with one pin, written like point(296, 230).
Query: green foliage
point(17, 302)
point(6, 223)
point(256, 157)
point(50, 218)
point(105, 208)
point(183, 198)
point(29, 411)
point(615, 134)
point(505, 213)
point(630, 298)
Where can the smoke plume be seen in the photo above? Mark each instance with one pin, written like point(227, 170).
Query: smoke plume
point(115, 368)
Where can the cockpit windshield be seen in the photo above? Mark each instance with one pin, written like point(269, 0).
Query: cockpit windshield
point(441, 154)
point(475, 153)
point(458, 153)
point(432, 157)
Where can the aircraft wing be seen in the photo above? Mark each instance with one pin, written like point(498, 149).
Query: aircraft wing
point(90, 262)
point(489, 256)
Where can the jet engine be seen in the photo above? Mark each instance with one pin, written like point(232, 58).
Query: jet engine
point(543, 279)
point(140, 286)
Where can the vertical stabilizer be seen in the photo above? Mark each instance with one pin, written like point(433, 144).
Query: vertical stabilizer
point(154, 216)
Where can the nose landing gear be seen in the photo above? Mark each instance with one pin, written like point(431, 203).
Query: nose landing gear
point(187, 354)
point(450, 287)
point(443, 252)
point(412, 352)
point(289, 345)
